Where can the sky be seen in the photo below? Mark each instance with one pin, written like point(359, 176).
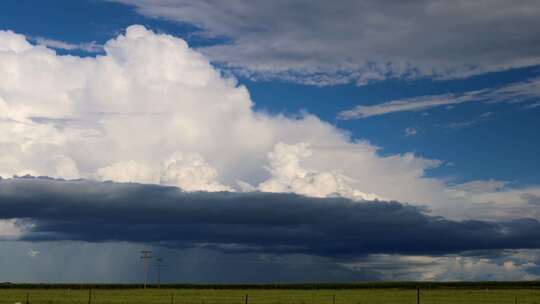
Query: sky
point(282, 141)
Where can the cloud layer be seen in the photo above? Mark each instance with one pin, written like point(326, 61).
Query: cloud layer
point(258, 222)
point(526, 92)
point(89, 47)
point(319, 42)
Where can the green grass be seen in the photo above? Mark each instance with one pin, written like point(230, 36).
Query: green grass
point(270, 296)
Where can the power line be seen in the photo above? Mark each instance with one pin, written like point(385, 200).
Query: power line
point(146, 255)
point(159, 264)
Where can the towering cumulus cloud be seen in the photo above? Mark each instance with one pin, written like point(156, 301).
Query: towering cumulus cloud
point(289, 176)
point(152, 110)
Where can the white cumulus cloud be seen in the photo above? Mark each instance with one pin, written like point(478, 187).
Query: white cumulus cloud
point(128, 171)
point(11, 229)
point(287, 175)
point(190, 172)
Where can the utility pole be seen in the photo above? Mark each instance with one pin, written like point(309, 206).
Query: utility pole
point(146, 255)
point(159, 265)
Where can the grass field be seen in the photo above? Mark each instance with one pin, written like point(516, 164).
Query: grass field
point(269, 296)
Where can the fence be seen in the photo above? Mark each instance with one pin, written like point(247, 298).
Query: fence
point(260, 296)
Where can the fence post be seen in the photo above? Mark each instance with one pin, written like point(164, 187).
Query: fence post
point(515, 300)
point(27, 300)
point(247, 298)
point(334, 299)
point(89, 296)
point(172, 298)
point(417, 295)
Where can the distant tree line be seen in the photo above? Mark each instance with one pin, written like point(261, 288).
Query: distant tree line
point(305, 286)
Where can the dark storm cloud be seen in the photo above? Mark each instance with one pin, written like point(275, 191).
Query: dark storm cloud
point(244, 222)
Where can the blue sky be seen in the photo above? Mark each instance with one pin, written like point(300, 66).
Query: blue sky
point(473, 149)
point(320, 100)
